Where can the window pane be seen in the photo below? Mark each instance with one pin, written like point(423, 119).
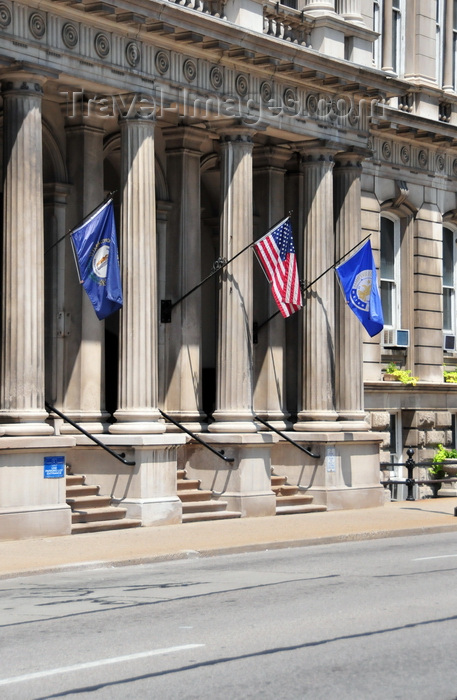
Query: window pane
point(448, 258)
point(448, 295)
point(387, 294)
point(387, 249)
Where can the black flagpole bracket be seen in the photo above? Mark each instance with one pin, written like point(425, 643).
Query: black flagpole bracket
point(165, 311)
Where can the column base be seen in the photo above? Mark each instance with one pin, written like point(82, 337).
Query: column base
point(35, 521)
point(232, 427)
point(353, 421)
point(25, 429)
point(153, 511)
point(137, 422)
point(236, 422)
point(275, 418)
point(318, 421)
point(92, 421)
point(195, 422)
point(137, 428)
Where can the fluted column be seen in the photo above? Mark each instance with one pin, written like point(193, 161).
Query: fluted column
point(138, 379)
point(83, 396)
point(318, 387)
point(349, 359)
point(269, 352)
point(387, 55)
point(22, 369)
point(56, 318)
point(448, 29)
point(319, 5)
point(183, 357)
point(234, 357)
point(350, 10)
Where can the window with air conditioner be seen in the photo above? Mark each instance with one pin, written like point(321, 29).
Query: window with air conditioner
point(390, 272)
point(449, 287)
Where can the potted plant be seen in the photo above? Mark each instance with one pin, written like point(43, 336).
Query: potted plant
point(400, 375)
point(440, 469)
point(450, 376)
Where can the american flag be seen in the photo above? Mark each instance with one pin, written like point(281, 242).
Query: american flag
point(276, 254)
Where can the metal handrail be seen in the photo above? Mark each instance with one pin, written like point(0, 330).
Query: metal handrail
point(120, 457)
point(286, 437)
point(219, 453)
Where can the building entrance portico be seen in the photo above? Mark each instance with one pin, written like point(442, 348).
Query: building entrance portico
point(206, 146)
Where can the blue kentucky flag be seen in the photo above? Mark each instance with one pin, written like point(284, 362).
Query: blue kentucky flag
point(95, 247)
point(359, 284)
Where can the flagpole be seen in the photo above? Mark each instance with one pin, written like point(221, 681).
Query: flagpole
point(62, 238)
point(219, 265)
point(305, 289)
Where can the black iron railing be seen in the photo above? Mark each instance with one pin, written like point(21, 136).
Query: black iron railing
point(410, 481)
point(120, 457)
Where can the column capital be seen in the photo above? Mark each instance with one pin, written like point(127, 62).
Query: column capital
point(352, 158)
point(235, 132)
point(184, 137)
point(30, 85)
point(268, 157)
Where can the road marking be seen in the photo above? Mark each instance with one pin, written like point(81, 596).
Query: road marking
point(442, 556)
point(93, 664)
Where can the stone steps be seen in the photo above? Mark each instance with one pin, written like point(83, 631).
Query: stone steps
point(290, 500)
point(92, 512)
point(291, 509)
point(102, 525)
point(198, 504)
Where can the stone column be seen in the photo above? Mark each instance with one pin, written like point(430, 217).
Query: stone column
point(318, 382)
point(320, 5)
point(269, 352)
point(56, 318)
point(22, 397)
point(138, 376)
point(234, 412)
point(83, 398)
point(183, 394)
point(387, 37)
point(448, 29)
point(349, 359)
point(350, 10)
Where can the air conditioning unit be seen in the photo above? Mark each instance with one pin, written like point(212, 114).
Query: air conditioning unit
point(448, 343)
point(395, 338)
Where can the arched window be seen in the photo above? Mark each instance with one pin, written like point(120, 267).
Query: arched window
point(390, 271)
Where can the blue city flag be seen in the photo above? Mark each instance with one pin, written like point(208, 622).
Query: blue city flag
point(95, 247)
point(360, 287)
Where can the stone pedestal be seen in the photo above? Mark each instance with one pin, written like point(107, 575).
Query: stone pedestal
point(235, 356)
point(148, 489)
point(346, 474)
point(22, 368)
point(138, 364)
point(318, 384)
point(30, 504)
point(245, 484)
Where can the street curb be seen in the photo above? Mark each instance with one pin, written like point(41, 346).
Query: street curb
point(235, 549)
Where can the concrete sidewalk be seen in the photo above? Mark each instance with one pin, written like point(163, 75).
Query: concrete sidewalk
point(151, 544)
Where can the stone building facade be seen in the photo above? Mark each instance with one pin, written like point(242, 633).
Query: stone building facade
point(210, 120)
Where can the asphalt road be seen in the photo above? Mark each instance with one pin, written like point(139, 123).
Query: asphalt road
point(358, 620)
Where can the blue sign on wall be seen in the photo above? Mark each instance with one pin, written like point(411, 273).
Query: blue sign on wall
point(54, 467)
